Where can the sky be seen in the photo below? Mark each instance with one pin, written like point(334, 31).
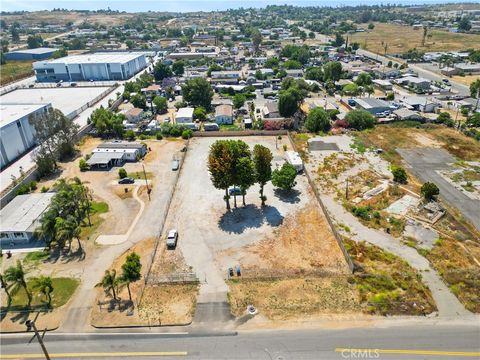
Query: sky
point(188, 5)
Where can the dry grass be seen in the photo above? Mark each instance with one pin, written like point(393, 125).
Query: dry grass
point(293, 298)
point(15, 70)
point(401, 38)
point(304, 242)
point(397, 136)
point(387, 284)
point(465, 80)
point(457, 263)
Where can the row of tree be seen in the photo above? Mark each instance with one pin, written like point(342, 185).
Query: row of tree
point(69, 209)
point(14, 279)
point(230, 163)
point(131, 272)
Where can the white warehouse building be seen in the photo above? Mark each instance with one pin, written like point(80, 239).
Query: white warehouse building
point(17, 135)
point(85, 67)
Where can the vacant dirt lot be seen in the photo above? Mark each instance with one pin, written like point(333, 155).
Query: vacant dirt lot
point(288, 234)
point(401, 38)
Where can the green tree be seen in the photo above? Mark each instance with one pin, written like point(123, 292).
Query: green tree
point(262, 159)
point(110, 283)
point(220, 166)
point(399, 174)
point(475, 89)
point(55, 135)
point(446, 119)
point(245, 175)
point(284, 178)
point(161, 104)
point(256, 39)
point(464, 24)
point(198, 92)
point(363, 79)
point(360, 120)
point(318, 120)
point(139, 101)
point(15, 275)
point(200, 113)
point(34, 41)
point(351, 89)
point(4, 285)
point(292, 64)
point(161, 71)
point(45, 286)
point(332, 71)
point(371, 26)
point(239, 100)
point(131, 271)
point(429, 191)
point(130, 135)
point(178, 67)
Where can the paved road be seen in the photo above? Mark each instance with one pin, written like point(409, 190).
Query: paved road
point(438, 341)
point(425, 163)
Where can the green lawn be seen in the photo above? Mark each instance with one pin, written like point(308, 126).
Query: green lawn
point(15, 70)
point(63, 289)
point(99, 207)
point(232, 127)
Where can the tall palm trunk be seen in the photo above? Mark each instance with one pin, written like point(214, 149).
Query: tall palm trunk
point(5, 287)
point(261, 195)
point(29, 296)
point(49, 298)
point(79, 243)
point(234, 197)
point(114, 293)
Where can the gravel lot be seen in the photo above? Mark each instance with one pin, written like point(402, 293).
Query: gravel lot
point(205, 227)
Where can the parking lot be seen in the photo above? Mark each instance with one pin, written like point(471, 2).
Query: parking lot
point(211, 239)
point(425, 164)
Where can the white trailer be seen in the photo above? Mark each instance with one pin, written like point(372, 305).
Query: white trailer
point(293, 158)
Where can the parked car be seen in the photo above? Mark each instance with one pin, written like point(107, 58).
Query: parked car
point(127, 180)
point(352, 102)
point(235, 191)
point(172, 238)
point(73, 84)
point(175, 165)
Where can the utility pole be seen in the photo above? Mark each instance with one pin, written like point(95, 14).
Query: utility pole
point(31, 324)
point(346, 190)
point(146, 182)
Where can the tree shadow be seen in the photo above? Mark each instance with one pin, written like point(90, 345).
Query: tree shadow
point(289, 196)
point(240, 219)
point(248, 217)
point(272, 215)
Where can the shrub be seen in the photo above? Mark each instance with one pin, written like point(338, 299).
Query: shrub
point(33, 185)
point(83, 165)
point(429, 190)
point(143, 137)
point(122, 173)
point(360, 120)
point(158, 136)
point(361, 212)
point(44, 189)
point(130, 135)
point(284, 178)
point(187, 134)
point(399, 175)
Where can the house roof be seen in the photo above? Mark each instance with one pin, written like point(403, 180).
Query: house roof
point(23, 211)
point(134, 112)
point(103, 158)
point(186, 112)
point(224, 110)
point(369, 103)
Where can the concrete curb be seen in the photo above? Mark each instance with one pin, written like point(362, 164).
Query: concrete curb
point(140, 326)
point(26, 332)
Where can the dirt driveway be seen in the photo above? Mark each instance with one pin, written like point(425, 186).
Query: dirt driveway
point(212, 239)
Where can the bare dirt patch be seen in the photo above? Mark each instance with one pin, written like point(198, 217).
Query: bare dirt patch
point(292, 298)
point(427, 141)
point(304, 242)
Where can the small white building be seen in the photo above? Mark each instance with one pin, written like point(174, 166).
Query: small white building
point(184, 115)
point(20, 217)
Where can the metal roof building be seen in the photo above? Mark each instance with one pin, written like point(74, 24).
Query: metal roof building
point(30, 54)
point(20, 218)
point(98, 66)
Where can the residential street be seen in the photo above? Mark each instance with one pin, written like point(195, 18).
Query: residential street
point(407, 341)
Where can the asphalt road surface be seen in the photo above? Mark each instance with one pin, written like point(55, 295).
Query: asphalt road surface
point(435, 341)
point(425, 162)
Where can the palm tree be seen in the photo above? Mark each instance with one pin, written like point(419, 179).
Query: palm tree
point(4, 285)
point(16, 276)
point(44, 284)
point(110, 283)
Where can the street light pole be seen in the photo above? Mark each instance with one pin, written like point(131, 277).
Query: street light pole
point(31, 324)
point(146, 181)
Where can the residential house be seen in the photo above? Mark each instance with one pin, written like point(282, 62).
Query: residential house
point(134, 115)
point(372, 105)
point(184, 115)
point(224, 114)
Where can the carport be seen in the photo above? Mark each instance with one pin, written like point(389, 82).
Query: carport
point(105, 161)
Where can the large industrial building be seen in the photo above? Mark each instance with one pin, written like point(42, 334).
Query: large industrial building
point(86, 67)
point(30, 54)
point(17, 135)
